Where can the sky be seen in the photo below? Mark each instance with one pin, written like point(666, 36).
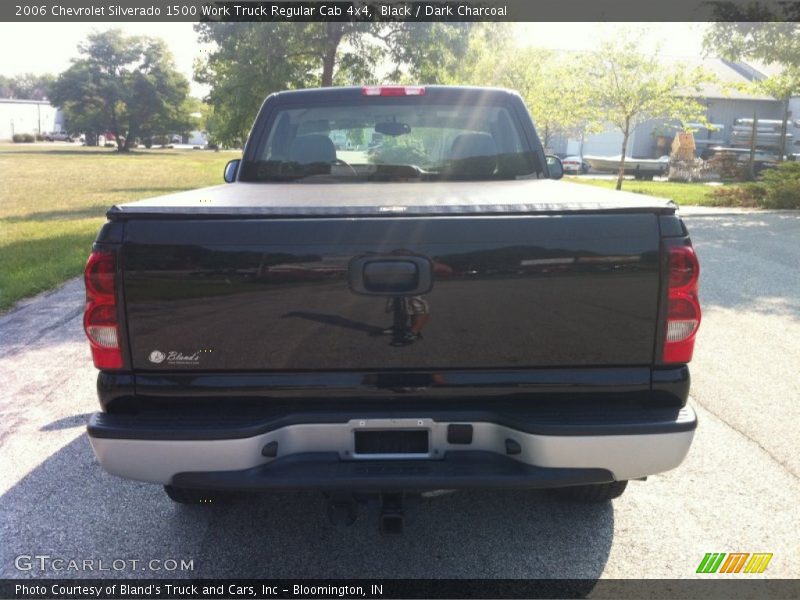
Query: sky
point(48, 47)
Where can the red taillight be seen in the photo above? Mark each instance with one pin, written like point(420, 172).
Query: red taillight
point(683, 267)
point(683, 308)
point(100, 316)
point(393, 90)
point(100, 274)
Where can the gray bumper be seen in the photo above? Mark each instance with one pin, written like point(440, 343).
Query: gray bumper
point(323, 455)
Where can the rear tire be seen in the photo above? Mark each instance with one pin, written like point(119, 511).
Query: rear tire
point(596, 493)
point(194, 496)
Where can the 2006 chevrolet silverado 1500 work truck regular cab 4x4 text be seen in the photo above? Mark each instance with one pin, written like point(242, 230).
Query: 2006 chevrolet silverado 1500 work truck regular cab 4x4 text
point(391, 295)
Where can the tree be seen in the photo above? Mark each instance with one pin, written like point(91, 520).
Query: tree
point(774, 43)
point(252, 60)
point(127, 85)
point(782, 86)
point(629, 87)
point(553, 90)
point(436, 53)
point(770, 42)
point(26, 86)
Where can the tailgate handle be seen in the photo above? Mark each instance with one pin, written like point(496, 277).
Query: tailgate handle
point(390, 276)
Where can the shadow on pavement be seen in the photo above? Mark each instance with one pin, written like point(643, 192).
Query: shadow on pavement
point(68, 507)
point(67, 423)
point(749, 261)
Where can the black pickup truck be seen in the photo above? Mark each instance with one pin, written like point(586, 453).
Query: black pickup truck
point(392, 295)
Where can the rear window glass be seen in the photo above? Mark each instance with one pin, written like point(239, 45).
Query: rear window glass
point(392, 142)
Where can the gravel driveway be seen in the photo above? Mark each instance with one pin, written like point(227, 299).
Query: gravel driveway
point(737, 491)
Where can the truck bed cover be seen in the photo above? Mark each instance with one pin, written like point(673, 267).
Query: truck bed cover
point(280, 200)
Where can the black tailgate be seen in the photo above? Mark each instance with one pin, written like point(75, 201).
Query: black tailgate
point(281, 294)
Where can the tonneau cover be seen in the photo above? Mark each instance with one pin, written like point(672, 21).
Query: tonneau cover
point(527, 196)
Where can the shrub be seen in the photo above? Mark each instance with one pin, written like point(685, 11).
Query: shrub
point(39, 137)
point(778, 188)
point(749, 195)
point(782, 186)
point(23, 138)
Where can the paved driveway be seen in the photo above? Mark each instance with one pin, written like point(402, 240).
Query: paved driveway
point(737, 491)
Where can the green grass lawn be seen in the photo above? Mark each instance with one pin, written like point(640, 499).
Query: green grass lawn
point(682, 193)
point(53, 198)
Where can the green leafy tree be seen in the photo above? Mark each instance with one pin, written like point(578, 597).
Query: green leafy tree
point(782, 86)
point(251, 60)
point(357, 137)
point(127, 85)
point(751, 32)
point(629, 87)
point(553, 90)
point(26, 86)
point(773, 43)
point(435, 53)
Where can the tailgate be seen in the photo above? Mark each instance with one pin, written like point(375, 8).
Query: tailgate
point(317, 294)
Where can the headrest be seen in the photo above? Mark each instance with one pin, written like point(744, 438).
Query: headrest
point(473, 154)
point(310, 149)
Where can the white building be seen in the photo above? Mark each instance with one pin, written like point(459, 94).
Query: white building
point(28, 116)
